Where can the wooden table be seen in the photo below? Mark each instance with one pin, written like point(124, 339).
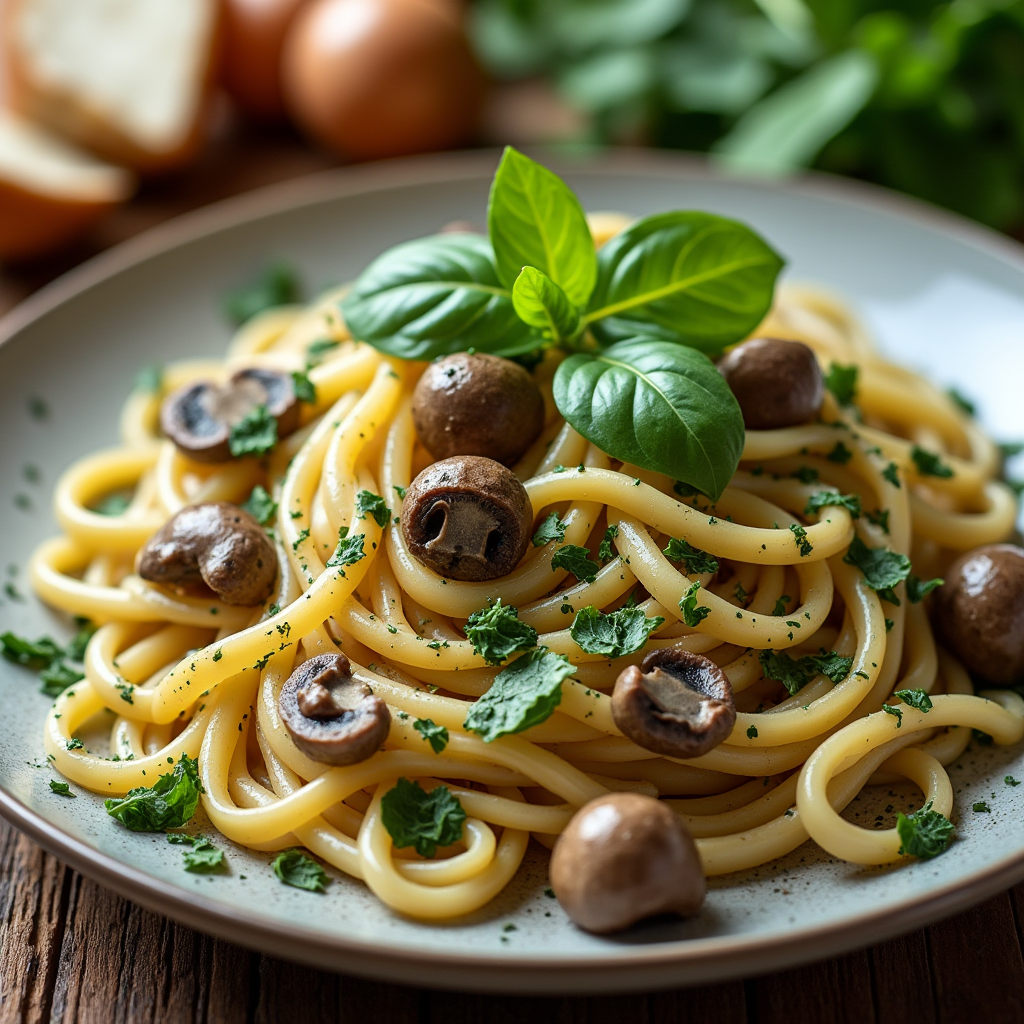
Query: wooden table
point(73, 951)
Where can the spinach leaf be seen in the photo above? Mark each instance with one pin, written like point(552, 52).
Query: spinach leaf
point(496, 632)
point(534, 220)
point(614, 634)
point(883, 569)
point(433, 297)
point(539, 302)
point(577, 560)
point(660, 406)
point(686, 277)
point(294, 868)
point(925, 833)
point(169, 803)
point(522, 695)
point(414, 817)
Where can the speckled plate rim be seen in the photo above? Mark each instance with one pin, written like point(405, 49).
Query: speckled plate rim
point(618, 969)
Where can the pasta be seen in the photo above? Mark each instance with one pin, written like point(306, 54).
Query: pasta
point(197, 676)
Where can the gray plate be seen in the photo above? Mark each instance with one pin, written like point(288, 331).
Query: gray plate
point(941, 295)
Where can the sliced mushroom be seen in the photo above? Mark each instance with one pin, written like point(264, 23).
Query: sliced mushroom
point(332, 717)
point(215, 546)
point(477, 404)
point(467, 518)
point(198, 417)
point(622, 858)
point(677, 704)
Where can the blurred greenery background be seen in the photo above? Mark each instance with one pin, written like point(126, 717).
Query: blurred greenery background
point(921, 96)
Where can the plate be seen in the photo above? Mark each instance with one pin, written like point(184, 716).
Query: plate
point(940, 295)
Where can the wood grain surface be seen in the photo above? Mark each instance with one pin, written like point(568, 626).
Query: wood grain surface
point(72, 951)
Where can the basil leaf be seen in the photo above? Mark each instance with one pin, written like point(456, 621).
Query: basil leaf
point(534, 220)
point(294, 868)
point(496, 632)
point(615, 634)
point(414, 817)
point(522, 695)
point(433, 297)
point(169, 803)
point(540, 303)
point(686, 277)
point(660, 406)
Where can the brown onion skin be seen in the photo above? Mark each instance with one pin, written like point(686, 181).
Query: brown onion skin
point(370, 79)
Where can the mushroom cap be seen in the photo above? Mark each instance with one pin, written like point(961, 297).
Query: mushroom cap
point(979, 612)
point(198, 417)
point(777, 383)
point(622, 858)
point(214, 546)
point(477, 404)
point(467, 518)
point(332, 717)
point(677, 704)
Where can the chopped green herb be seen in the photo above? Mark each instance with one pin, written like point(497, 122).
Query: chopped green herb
point(1010, 780)
point(576, 560)
point(842, 382)
point(496, 632)
point(752, 732)
point(297, 869)
point(204, 858)
point(833, 499)
point(840, 454)
point(348, 552)
point(61, 789)
point(879, 518)
point(807, 474)
point(37, 408)
point(981, 807)
point(883, 569)
point(522, 695)
point(400, 491)
point(892, 474)
point(614, 634)
point(435, 735)
point(422, 820)
point(961, 402)
point(918, 589)
point(552, 528)
point(897, 713)
point(254, 434)
point(740, 594)
point(925, 833)
point(261, 506)
point(302, 537)
point(915, 698)
point(694, 561)
point(115, 504)
point(685, 490)
point(929, 464)
point(169, 803)
point(796, 673)
point(303, 387)
point(368, 503)
point(804, 546)
point(74, 744)
point(693, 614)
point(276, 286)
point(780, 605)
point(606, 550)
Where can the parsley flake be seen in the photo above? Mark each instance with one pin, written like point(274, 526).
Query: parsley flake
point(614, 634)
point(883, 569)
point(796, 673)
point(897, 713)
point(303, 388)
point(606, 550)
point(576, 560)
point(833, 499)
point(694, 561)
point(925, 833)
point(435, 735)
point(915, 699)
point(425, 821)
point(693, 614)
point(254, 434)
point(203, 858)
point(929, 464)
point(61, 789)
point(496, 632)
point(552, 528)
point(842, 382)
point(260, 505)
point(368, 503)
point(349, 550)
point(169, 803)
point(297, 869)
point(918, 589)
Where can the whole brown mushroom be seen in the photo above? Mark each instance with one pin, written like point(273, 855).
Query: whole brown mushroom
point(622, 858)
point(467, 518)
point(332, 717)
point(777, 383)
point(477, 405)
point(979, 612)
point(215, 547)
point(676, 703)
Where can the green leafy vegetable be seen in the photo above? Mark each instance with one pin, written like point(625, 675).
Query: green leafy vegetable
point(892, 474)
point(694, 561)
point(929, 464)
point(780, 605)
point(169, 803)
point(277, 286)
point(304, 388)
point(522, 695)
point(425, 821)
point(614, 634)
point(833, 499)
point(800, 536)
point(254, 434)
point(683, 277)
point(435, 735)
point(58, 667)
point(61, 789)
point(693, 613)
point(918, 589)
point(916, 699)
point(203, 858)
point(883, 569)
point(261, 506)
point(925, 833)
point(436, 296)
point(842, 382)
point(577, 560)
point(539, 302)
point(897, 713)
point(658, 405)
point(605, 551)
point(552, 528)
point(796, 673)
point(348, 552)
point(496, 633)
point(840, 454)
point(297, 869)
point(368, 503)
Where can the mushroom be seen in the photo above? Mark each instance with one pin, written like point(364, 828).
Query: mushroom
point(215, 546)
point(777, 383)
point(979, 612)
point(198, 417)
point(332, 717)
point(476, 404)
point(677, 704)
point(467, 518)
point(622, 858)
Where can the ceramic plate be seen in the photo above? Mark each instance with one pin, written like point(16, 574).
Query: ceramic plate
point(941, 295)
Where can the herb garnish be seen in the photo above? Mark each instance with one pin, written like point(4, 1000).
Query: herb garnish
point(373, 504)
point(169, 803)
point(303, 387)
point(61, 789)
point(58, 667)
point(796, 673)
point(918, 589)
point(842, 382)
point(552, 528)
point(522, 695)
point(925, 833)
point(929, 464)
point(261, 506)
point(577, 560)
point(294, 868)
point(637, 317)
point(425, 821)
point(203, 858)
point(694, 561)
point(496, 632)
point(254, 434)
point(915, 699)
point(883, 569)
point(349, 550)
point(693, 613)
point(614, 634)
point(833, 499)
point(435, 735)
point(605, 550)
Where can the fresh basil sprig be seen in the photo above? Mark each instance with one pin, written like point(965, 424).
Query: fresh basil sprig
point(640, 317)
